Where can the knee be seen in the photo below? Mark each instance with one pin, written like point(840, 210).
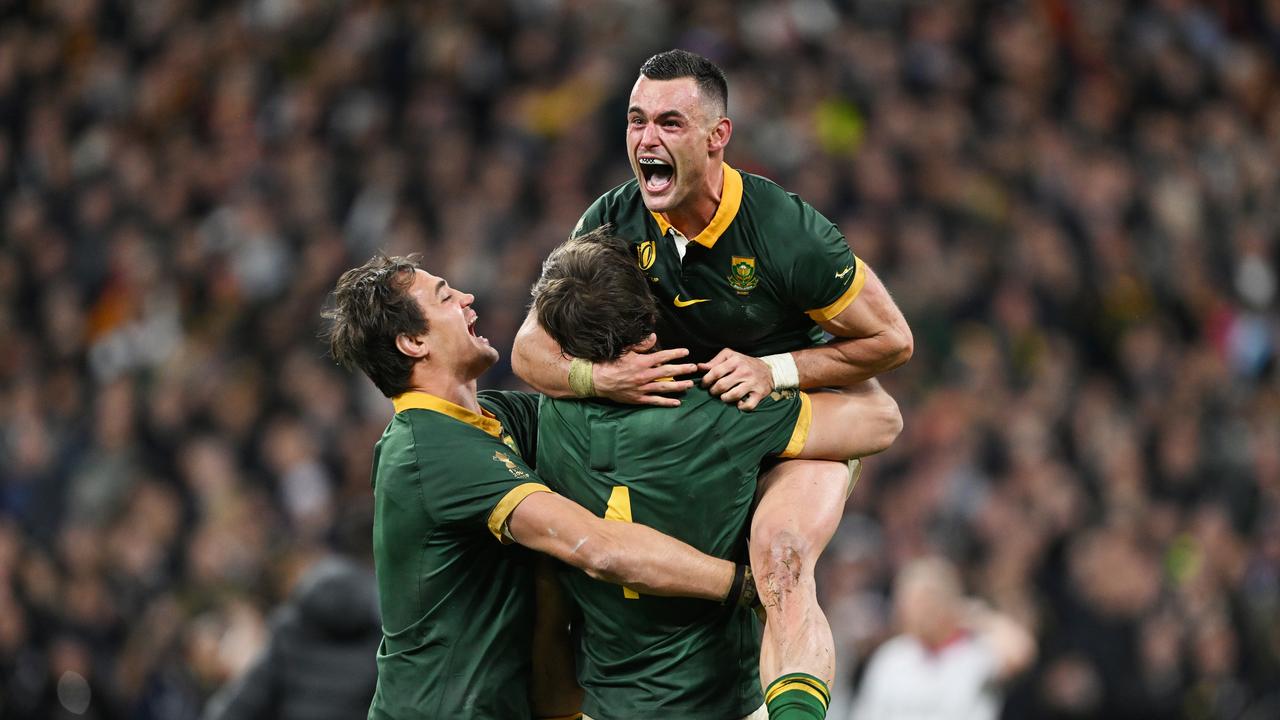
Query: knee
point(781, 557)
point(885, 423)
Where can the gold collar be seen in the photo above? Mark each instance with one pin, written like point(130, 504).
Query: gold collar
point(415, 400)
point(730, 203)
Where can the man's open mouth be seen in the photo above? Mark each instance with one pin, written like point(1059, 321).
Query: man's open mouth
point(658, 174)
point(471, 328)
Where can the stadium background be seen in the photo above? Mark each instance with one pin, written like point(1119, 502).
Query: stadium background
point(1074, 202)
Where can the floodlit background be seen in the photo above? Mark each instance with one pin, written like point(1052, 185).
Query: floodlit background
point(1075, 203)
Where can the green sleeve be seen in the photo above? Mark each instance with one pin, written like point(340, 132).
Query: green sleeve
point(478, 483)
point(822, 276)
point(518, 413)
point(778, 426)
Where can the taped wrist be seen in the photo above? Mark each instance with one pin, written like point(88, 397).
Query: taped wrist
point(580, 380)
point(783, 368)
point(742, 591)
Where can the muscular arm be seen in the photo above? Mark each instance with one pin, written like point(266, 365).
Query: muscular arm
point(636, 378)
point(618, 552)
point(866, 408)
point(537, 359)
point(873, 338)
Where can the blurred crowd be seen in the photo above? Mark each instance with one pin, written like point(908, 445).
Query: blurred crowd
point(1075, 202)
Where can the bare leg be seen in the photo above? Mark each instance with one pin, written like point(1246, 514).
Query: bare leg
point(800, 507)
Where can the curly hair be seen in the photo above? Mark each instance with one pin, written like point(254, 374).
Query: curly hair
point(371, 307)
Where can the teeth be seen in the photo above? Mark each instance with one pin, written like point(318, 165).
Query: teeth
point(651, 161)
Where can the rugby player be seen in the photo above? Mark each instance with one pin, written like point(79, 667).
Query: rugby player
point(748, 278)
point(690, 472)
point(453, 484)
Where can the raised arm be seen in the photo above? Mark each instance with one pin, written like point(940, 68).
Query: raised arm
point(636, 378)
point(872, 337)
point(1013, 644)
point(537, 359)
point(619, 552)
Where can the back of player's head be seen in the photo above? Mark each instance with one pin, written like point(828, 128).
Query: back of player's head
point(675, 64)
point(371, 307)
point(593, 299)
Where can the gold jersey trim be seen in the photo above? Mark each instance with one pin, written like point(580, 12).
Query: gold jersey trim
point(501, 514)
point(837, 307)
point(800, 435)
point(417, 400)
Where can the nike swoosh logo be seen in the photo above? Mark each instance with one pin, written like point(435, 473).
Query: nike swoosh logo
point(840, 275)
point(686, 303)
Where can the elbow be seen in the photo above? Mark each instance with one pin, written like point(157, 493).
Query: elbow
point(902, 344)
point(600, 560)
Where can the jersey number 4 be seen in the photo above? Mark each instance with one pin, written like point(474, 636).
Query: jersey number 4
point(619, 508)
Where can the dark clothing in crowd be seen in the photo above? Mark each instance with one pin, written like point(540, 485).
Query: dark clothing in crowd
point(319, 660)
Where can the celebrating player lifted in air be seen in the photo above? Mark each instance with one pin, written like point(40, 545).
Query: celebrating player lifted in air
point(689, 472)
point(747, 278)
point(453, 485)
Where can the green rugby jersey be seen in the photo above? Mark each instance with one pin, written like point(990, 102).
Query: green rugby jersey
point(759, 277)
point(457, 601)
point(689, 472)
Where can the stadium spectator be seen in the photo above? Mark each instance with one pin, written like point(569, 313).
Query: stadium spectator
point(952, 656)
point(319, 657)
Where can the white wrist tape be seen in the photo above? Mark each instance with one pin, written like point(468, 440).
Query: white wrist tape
point(783, 367)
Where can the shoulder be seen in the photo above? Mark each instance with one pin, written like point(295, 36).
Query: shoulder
point(417, 439)
point(976, 652)
point(620, 205)
point(769, 198)
point(402, 433)
point(774, 207)
point(896, 652)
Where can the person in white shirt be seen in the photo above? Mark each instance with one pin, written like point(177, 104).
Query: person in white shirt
point(952, 657)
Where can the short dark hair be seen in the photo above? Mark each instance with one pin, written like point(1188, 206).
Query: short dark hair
point(593, 298)
point(371, 307)
point(675, 64)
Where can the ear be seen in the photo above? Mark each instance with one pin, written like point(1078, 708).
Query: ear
point(720, 134)
point(415, 346)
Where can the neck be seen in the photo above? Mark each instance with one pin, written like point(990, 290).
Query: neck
point(695, 215)
point(459, 390)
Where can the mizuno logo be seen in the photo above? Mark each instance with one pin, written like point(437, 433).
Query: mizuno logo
point(840, 275)
point(686, 303)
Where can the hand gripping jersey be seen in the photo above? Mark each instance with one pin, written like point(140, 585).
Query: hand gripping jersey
point(457, 601)
point(757, 279)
